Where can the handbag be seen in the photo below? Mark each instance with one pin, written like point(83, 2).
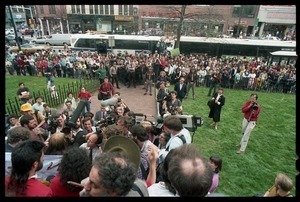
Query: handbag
point(210, 103)
point(100, 97)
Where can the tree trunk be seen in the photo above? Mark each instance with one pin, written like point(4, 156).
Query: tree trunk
point(180, 26)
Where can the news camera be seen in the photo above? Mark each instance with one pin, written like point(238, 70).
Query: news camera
point(190, 122)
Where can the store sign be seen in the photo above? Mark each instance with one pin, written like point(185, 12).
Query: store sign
point(282, 15)
point(123, 18)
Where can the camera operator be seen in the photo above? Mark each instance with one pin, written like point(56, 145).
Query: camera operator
point(172, 105)
point(251, 111)
point(56, 124)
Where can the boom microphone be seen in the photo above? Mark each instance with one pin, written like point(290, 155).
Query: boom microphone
point(77, 112)
point(108, 102)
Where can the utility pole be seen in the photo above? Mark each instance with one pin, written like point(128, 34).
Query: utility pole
point(14, 26)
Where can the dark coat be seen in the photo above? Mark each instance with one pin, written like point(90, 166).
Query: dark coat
point(180, 93)
point(215, 109)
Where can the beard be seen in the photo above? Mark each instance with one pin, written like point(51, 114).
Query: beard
point(76, 126)
point(40, 166)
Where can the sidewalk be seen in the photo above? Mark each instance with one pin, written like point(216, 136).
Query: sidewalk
point(133, 97)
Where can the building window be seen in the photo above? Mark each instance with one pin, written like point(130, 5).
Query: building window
point(15, 10)
point(120, 10)
point(42, 9)
point(91, 9)
point(101, 9)
point(130, 9)
point(52, 9)
point(83, 9)
point(96, 9)
point(106, 10)
point(77, 9)
point(112, 12)
point(246, 11)
point(72, 8)
point(125, 9)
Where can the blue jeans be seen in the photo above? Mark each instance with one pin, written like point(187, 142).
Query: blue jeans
point(87, 106)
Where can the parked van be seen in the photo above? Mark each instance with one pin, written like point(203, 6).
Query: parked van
point(58, 39)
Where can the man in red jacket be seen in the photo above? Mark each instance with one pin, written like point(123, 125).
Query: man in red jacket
point(251, 111)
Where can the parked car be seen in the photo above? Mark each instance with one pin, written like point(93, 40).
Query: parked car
point(30, 47)
point(272, 38)
point(58, 39)
point(10, 40)
point(27, 31)
point(9, 31)
point(40, 40)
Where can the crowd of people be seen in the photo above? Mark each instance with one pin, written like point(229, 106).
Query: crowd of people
point(113, 154)
point(197, 69)
point(116, 156)
point(111, 159)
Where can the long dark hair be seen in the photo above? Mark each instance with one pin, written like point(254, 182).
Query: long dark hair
point(218, 162)
point(23, 156)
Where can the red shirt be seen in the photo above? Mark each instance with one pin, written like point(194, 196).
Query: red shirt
point(59, 190)
point(34, 188)
point(107, 87)
point(85, 95)
point(248, 110)
point(163, 63)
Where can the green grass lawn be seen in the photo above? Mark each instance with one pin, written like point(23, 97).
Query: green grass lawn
point(271, 148)
point(34, 84)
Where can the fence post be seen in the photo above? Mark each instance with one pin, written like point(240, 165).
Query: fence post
point(60, 95)
point(17, 106)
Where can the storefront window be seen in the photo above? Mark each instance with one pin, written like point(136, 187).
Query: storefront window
point(96, 9)
point(112, 10)
point(106, 10)
point(73, 8)
point(101, 9)
point(91, 9)
point(120, 10)
point(83, 9)
point(125, 9)
point(246, 11)
point(130, 9)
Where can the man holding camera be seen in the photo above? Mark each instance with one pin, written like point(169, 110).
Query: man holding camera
point(251, 111)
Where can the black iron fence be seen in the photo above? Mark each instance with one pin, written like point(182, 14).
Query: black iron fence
point(12, 106)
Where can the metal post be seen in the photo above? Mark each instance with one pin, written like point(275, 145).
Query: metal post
point(61, 27)
point(42, 28)
point(48, 26)
point(68, 27)
point(14, 26)
point(30, 12)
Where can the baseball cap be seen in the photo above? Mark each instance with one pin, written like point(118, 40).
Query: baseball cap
point(26, 107)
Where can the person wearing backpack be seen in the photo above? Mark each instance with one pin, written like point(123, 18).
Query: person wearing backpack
point(179, 135)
